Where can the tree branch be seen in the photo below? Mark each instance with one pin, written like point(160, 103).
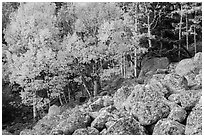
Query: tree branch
point(157, 20)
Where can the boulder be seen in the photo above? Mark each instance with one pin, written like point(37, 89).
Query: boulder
point(194, 78)
point(194, 120)
point(42, 129)
point(156, 85)
point(103, 132)
point(146, 104)
point(108, 109)
point(96, 105)
point(172, 67)
point(76, 120)
point(171, 105)
point(177, 114)
point(151, 65)
point(67, 112)
point(56, 132)
point(162, 71)
point(110, 123)
point(107, 101)
point(94, 115)
point(126, 126)
point(174, 98)
point(184, 67)
point(175, 83)
point(135, 96)
point(150, 112)
point(168, 127)
point(190, 98)
point(45, 125)
point(158, 77)
point(4, 132)
point(121, 114)
point(100, 102)
point(84, 108)
point(121, 95)
point(198, 58)
point(198, 79)
point(117, 114)
point(27, 132)
point(53, 111)
point(190, 68)
point(86, 131)
point(99, 122)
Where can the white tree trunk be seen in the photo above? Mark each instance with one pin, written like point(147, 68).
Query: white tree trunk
point(195, 39)
point(149, 31)
point(34, 107)
point(180, 34)
point(121, 65)
point(187, 32)
point(135, 61)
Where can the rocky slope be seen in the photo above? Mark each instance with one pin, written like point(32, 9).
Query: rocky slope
point(166, 104)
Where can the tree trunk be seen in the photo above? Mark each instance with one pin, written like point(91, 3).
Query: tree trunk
point(95, 88)
point(131, 63)
point(149, 40)
point(187, 32)
point(97, 85)
point(180, 25)
point(121, 66)
point(161, 46)
point(149, 31)
point(135, 67)
point(60, 99)
point(195, 39)
point(85, 86)
point(69, 96)
point(34, 107)
point(124, 66)
point(135, 50)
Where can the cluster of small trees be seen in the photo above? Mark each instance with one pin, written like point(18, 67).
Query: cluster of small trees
point(49, 46)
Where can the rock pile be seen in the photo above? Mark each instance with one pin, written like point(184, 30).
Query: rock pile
point(167, 104)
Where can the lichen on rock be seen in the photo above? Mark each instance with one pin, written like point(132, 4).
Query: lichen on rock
point(75, 121)
point(86, 131)
point(168, 127)
point(146, 104)
point(178, 114)
point(194, 120)
point(126, 126)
